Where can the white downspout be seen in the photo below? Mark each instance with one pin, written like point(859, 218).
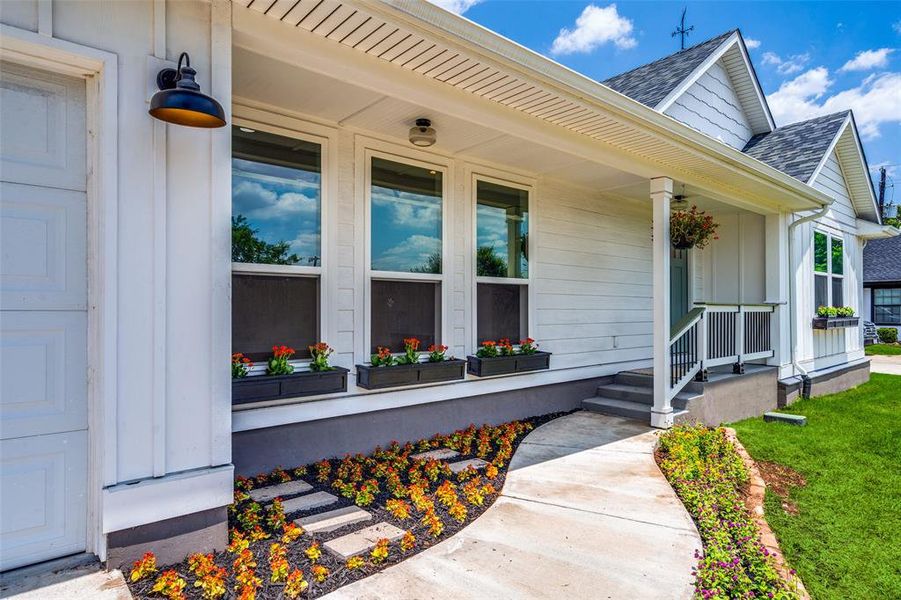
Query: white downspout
point(791, 290)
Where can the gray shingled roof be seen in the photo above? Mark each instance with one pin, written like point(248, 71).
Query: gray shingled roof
point(882, 260)
point(798, 148)
point(651, 83)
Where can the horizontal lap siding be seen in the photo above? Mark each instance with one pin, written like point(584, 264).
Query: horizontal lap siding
point(710, 105)
point(592, 277)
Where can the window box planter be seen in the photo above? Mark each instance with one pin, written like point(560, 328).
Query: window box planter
point(504, 365)
point(257, 388)
point(374, 378)
point(835, 322)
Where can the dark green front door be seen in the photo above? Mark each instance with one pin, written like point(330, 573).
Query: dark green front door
point(678, 285)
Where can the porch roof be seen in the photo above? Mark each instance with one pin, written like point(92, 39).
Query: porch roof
point(418, 39)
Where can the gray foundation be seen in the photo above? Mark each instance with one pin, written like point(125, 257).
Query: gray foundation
point(826, 381)
point(261, 450)
point(728, 398)
point(170, 540)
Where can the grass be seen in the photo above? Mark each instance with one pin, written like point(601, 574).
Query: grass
point(845, 542)
point(883, 349)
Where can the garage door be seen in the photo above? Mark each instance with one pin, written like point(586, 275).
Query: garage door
point(43, 316)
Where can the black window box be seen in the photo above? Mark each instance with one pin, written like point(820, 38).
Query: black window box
point(374, 378)
point(256, 388)
point(835, 322)
point(504, 365)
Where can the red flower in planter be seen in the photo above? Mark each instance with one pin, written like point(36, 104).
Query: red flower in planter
point(382, 357)
point(488, 349)
point(241, 365)
point(528, 346)
point(505, 347)
point(278, 364)
point(436, 352)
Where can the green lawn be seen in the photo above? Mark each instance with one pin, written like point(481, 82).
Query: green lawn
point(884, 349)
point(846, 540)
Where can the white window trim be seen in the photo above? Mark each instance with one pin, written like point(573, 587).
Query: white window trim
point(366, 150)
point(474, 174)
point(828, 274)
point(326, 137)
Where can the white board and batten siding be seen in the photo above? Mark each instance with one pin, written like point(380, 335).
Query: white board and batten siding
point(822, 349)
point(711, 106)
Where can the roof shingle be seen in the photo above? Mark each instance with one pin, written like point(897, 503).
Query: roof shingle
point(882, 260)
point(798, 148)
point(651, 83)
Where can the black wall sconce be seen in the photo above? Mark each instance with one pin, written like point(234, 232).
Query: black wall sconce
point(180, 101)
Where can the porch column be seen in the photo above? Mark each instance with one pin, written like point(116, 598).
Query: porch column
point(777, 274)
point(661, 195)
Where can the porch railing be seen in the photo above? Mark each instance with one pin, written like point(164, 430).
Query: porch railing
point(718, 334)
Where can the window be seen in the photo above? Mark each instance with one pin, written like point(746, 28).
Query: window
point(828, 270)
point(501, 261)
point(887, 306)
point(406, 253)
point(276, 247)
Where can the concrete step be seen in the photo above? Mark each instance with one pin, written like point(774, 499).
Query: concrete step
point(265, 494)
point(476, 463)
point(308, 502)
point(631, 378)
point(439, 454)
point(619, 391)
point(618, 408)
point(363, 540)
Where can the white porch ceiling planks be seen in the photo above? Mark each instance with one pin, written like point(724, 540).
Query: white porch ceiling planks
point(375, 29)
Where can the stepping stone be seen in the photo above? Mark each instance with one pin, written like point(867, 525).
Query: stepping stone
point(774, 417)
point(333, 519)
point(309, 502)
point(439, 454)
point(363, 540)
point(476, 463)
point(282, 489)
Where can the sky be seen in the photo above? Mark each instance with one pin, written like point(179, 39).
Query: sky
point(812, 58)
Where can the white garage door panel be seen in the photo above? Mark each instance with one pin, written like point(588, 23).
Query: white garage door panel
point(43, 257)
point(43, 123)
point(42, 488)
point(43, 357)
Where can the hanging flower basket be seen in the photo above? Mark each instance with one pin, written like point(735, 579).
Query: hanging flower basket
point(691, 228)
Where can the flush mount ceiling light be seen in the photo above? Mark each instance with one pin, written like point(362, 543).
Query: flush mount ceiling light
point(422, 134)
point(180, 101)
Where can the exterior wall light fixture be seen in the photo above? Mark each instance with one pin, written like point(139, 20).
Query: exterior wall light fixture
point(180, 101)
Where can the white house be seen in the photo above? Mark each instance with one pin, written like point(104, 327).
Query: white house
point(542, 209)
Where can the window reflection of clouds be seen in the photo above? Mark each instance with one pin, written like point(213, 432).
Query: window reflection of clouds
point(406, 223)
point(500, 211)
point(281, 203)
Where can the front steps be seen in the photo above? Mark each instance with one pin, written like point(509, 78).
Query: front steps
point(631, 395)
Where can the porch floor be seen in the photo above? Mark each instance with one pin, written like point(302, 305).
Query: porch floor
point(584, 508)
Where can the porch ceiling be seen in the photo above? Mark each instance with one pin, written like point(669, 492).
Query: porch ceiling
point(416, 50)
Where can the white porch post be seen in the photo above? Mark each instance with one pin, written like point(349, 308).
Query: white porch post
point(777, 273)
point(661, 194)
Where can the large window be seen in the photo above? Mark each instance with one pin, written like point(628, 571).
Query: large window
point(276, 247)
point(828, 270)
point(887, 306)
point(406, 225)
point(502, 261)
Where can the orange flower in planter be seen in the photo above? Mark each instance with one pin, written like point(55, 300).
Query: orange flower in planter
point(488, 349)
point(241, 365)
point(382, 357)
point(436, 352)
point(528, 346)
point(505, 347)
point(278, 364)
point(411, 354)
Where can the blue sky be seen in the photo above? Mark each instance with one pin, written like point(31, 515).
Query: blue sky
point(811, 58)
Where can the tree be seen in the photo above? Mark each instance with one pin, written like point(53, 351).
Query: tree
point(248, 248)
point(431, 265)
point(489, 264)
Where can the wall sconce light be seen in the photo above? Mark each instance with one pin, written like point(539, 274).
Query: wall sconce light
point(422, 134)
point(180, 101)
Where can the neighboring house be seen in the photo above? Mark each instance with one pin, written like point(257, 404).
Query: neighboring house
point(882, 282)
point(542, 210)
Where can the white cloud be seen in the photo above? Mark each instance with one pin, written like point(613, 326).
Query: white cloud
point(456, 6)
point(751, 43)
point(412, 252)
point(868, 59)
point(875, 101)
point(595, 27)
point(409, 210)
point(891, 170)
point(790, 65)
point(260, 202)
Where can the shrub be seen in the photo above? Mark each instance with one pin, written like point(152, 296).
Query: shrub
point(706, 472)
point(887, 335)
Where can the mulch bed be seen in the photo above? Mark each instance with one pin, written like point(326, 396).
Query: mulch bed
point(502, 442)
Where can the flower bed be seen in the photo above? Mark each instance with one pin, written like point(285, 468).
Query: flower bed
point(708, 476)
point(271, 558)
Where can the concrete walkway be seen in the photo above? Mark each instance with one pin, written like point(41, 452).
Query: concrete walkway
point(890, 365)
point(584, 513)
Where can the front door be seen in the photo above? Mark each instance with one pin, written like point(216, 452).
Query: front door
point(678, 285)
point(43, 316)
